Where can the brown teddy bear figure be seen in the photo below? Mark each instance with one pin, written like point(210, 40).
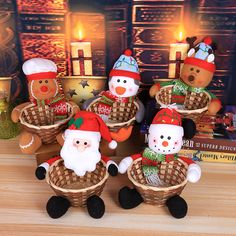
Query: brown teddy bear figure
point(44, 90)
point(195, 76)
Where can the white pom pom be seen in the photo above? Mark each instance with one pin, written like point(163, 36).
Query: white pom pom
point(194, 173)
point(125, 164)
point(112, 144)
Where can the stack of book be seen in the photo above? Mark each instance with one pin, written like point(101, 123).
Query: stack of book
point(217, 143)
point(210, 150)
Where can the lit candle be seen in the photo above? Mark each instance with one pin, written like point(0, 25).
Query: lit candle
point(81, 55)
point(178, 52)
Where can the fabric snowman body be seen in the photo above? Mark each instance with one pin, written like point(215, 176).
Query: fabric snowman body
point(165, 140)
point(123, 84)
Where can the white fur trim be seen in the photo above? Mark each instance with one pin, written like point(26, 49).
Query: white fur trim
point(83, 134)
point(111, 162)
point(194, 173)
point(45, 165)
point(155, 128)
point(112, 144)
point(27, 145)
point(125, 164)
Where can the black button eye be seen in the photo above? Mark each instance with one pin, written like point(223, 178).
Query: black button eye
point(198, 71)
point(77, 142)
point(124, 81)
point(40, 81)
point(169, 138)
point(161, 136)
point(85, 143)
point(191, 69)
point(118, 80)
point(46, 81)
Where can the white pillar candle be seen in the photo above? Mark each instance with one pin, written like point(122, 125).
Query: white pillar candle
point(81, 54)
point(178, 52)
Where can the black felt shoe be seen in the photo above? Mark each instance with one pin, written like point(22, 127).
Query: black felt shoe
point(177, 206)
point(129, 198)
point(95, 206)
point(113, 170)
point(57, 206)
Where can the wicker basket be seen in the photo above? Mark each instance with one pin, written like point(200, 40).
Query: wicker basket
point(195, 104)
point(76, 189)
point(173, 173)
point(122, 115)
point(40, 121)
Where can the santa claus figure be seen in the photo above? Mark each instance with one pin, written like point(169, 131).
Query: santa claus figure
point(124, 82)
point(164, 142)
point(43, 90)
point(80, 152)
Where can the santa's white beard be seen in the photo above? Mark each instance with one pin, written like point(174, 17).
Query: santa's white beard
point(78, 161)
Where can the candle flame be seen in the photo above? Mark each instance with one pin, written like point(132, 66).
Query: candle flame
point(80, 35)
point(180, 36)
point(79, 32)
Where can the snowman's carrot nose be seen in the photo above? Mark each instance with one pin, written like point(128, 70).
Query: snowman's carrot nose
point(120, 90)
point(44, 89)
point(165, 143)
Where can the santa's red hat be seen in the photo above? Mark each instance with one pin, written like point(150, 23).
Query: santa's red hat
point(200, 63)
point(126, 66)
point(166, 117)
point(88, 123)
point(39, 68)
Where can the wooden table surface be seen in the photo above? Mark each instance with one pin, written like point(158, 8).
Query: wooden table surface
point(212, 204)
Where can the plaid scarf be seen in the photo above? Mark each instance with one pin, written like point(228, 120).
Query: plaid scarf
point(58, 103)
point(180, 89)
point(151, 159)
point(107, 100)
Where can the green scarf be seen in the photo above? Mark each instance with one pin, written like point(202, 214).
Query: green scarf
point(151, 160)
point(180, 88)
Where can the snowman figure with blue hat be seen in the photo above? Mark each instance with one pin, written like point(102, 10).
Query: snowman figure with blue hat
point(124, 82)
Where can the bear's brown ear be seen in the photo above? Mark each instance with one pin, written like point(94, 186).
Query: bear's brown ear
point(214, 46)
point(60, 138)
point(190, 41)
